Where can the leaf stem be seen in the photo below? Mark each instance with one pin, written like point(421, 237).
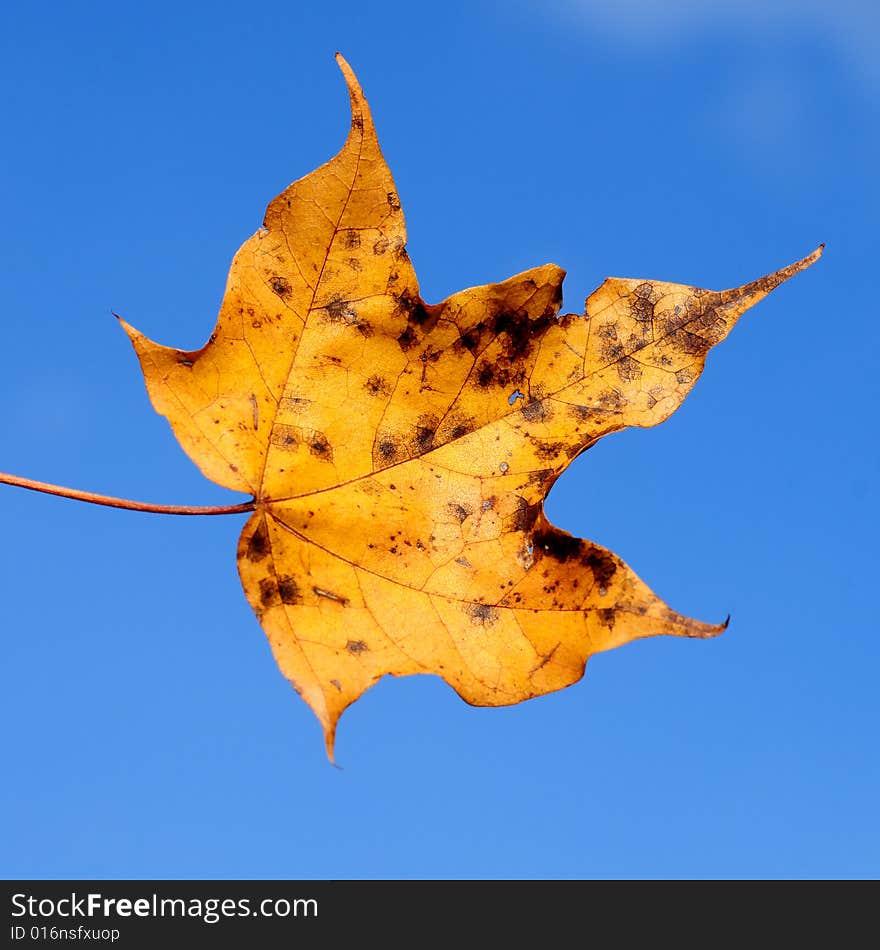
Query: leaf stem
point(110, 502)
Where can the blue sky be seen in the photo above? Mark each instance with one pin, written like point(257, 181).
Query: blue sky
point(145, 729)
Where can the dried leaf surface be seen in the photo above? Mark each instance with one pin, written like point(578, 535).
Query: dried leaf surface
point(400, 452)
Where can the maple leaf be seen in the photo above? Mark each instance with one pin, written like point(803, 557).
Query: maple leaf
point(399, 452)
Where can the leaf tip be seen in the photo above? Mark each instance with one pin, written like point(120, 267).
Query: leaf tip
point(706, 631)
point(330, 744)
point(133, 334)
point(742, 298)
point(772, 281)
point(360, 112)
point(811, 258)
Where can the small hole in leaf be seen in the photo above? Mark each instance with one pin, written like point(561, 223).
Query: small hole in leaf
point(512, 398)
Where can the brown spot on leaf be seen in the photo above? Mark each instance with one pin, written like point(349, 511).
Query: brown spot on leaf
point(557, 544)
point(268, 591)
point(538, 477)
point(280, 286)
point(601, 563)
point(483, 615)
point(688, 343)
point(407, 339)
point(356, 646)
point(295, 404)
point(611, 352)
point(525, 515)
point(628, 369)
point(470, 340)
point(285, 436)
point(611, 400)
point(641, 309)
point(459, 512)
point(520, 332)
point(461, 429)
point(376, 385)
point(288, 590)
point(258, 545)
point(486, 375)
point(422, 437)
point(387, 449)
point(320, 447)
point(550, 451)
point(340, 310)
point(533, 410)
point(414, 310)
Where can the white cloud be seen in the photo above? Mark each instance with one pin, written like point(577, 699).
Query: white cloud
point(850, 27)
point(763, 113)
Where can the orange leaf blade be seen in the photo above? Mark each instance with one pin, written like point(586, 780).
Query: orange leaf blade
point(399, 453)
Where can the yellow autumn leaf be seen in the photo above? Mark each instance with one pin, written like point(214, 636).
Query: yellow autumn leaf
point(399, 453)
